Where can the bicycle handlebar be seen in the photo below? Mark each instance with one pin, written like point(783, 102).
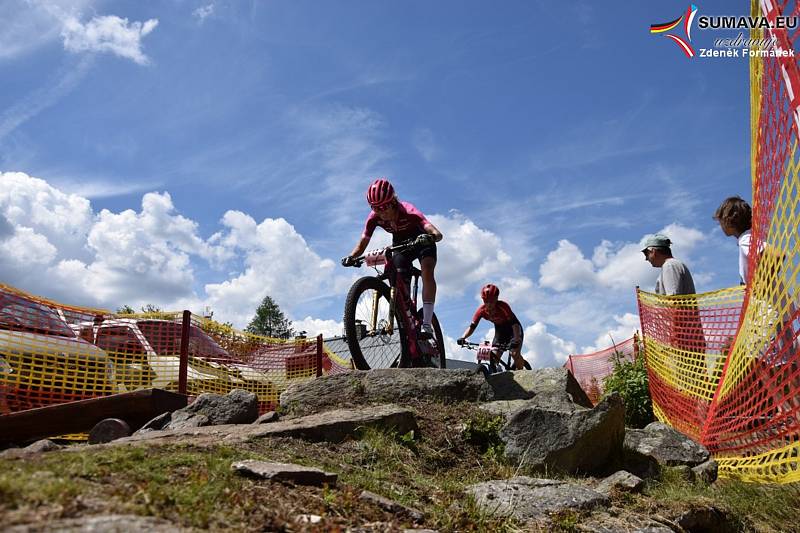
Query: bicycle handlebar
point(358, 261)
point(475, 346)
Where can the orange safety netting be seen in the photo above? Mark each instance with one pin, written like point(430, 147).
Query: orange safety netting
point(592, 368)
point(736, 386)
point(51, 353)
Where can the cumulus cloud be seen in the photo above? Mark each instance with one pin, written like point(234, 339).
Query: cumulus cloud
point(468, 254)
point(108, 33)
point(544, 349)
point(315, 326)
point(613, 265)
point(277, 262)
point(623, 328)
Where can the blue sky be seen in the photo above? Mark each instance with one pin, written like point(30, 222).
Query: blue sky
point(206, 153)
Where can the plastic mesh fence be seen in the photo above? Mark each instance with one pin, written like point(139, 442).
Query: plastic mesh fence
point(686, 340)
point(591, 369)
point(51, 353)
point(745, 407)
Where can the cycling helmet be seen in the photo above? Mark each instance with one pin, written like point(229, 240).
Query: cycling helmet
point(490, 293)
point(380, 193)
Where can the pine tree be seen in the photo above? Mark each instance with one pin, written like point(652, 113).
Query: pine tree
point(269, 321)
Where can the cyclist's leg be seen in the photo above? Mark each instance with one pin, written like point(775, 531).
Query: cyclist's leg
point(427, 261)
point(502, 335)
point(516, 353)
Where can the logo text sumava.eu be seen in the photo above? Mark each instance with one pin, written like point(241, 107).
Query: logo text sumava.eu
point(682, 23)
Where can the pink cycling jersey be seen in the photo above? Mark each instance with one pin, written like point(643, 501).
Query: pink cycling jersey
point(502, 314)
point(410, 222)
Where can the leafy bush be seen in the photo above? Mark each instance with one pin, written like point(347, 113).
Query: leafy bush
point(629, 379)
point(483, 430)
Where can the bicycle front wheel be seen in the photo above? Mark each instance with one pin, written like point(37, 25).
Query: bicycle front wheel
point(373, 340)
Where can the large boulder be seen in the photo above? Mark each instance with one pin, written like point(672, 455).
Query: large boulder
point(558, 385)
point(383, 385)
point(331, 426)
point(658, 445)
point(566, 437)
point(236, 407)
point(526, 498)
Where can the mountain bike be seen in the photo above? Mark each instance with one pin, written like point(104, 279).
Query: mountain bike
point(381, 319)
point(490, 358)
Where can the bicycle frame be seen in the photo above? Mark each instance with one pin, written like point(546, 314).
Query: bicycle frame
point(485, 352)
point(402, 300)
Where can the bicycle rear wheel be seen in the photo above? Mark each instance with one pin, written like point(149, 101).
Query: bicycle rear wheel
point(366, 325)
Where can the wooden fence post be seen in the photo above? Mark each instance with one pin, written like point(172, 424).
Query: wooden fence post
point(183, 368)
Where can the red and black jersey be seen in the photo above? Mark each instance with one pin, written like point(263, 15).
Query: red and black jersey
point(502, 314)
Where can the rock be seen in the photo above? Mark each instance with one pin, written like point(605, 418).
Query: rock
point(658, 445)
point(383, 385)
point(526, 498)
point(556, 384)
point(706, 519)
point(156, 424)
point(236, 407)
point(300, 475)
point(392, 506)
point(183, 420)
point(266, 418)
point(40, 446)
point(602, 522)
point(706, 472)
point(109, 429)
point(330, 426)
point(44, 445)
point(566, 437)
point(504, 408)
point(622, 481)
point(308, 519)
point(105, 523)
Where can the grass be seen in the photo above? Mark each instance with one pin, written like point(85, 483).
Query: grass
point(195, 487)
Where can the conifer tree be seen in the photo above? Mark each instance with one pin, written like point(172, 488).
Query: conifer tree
point(269, 321)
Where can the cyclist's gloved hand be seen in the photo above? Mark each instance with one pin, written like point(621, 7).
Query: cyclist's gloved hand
point(424, 240)
point(348, 261)
point(461, 341)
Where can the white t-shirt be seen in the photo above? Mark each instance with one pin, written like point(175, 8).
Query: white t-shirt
point(744, 251)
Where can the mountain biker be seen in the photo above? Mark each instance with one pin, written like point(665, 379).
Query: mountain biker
point(404, 222)
point(507, 328)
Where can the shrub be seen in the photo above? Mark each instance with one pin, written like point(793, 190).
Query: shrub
point(629, 379)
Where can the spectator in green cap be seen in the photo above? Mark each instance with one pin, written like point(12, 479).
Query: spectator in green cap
point(675, 277)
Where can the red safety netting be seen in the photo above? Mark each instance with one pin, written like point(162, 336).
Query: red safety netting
point(591, 369)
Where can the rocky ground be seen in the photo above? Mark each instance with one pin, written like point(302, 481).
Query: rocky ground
point(389, 450)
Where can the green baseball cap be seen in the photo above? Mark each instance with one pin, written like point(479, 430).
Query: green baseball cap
point(657, 241)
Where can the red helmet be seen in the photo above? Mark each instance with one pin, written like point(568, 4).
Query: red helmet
point(490, 293)
point(380, 193)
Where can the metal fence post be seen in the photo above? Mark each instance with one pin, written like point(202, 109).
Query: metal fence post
point(319, 355)
point(183, 368)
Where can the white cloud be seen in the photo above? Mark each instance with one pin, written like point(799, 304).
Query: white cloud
point(203, 12)
point(316, 326)
point(543, 349)
point(613, 265)
point(623, 329)
point(467, 254)
point(277, 262)
point(28, 24)
point(566, 268)
point(108, 33)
